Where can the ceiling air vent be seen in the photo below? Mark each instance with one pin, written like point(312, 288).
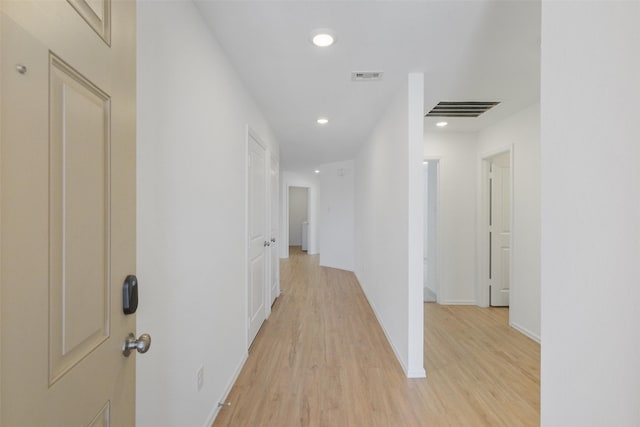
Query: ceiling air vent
point(366, 76)
point(460, 108)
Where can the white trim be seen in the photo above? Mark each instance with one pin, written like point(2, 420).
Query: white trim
point(526, 332)
point(285, 219)
point(267, 233)
point(438, 263)
point(495, 151)
point(482, 252)
point(274, 162)
point(457, 302)
point(482, 218)
point(246, 236)
point(303, 180)
point(310, 248)
point(375, 312)
point(431, 295)
point(513, 286)
point(216, 409)
point(417, 373)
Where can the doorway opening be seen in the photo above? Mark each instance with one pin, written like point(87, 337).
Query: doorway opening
point(299, 218)
point(430, 276)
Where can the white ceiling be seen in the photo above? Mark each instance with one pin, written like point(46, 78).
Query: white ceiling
point(468, 50)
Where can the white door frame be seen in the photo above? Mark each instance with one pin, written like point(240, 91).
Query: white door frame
point(438, 254)
point(250, 133)
point(482, 282)
point(285, 214)
point(274, 245)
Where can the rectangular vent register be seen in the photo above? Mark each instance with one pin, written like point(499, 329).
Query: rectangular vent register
point(461, 108)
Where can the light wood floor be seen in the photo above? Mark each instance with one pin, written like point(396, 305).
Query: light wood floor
point(323, 360)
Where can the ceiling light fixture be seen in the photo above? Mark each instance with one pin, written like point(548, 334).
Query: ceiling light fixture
point(322, 121)
point(322, 38)
point(441, 124)
point(316, 171)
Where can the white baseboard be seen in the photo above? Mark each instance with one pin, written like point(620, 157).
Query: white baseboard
point(214, 412)
point(526, 332)
point(337, 267)
point(393, 347)
point(457, 302)
point(417, 373)
point(429, 295)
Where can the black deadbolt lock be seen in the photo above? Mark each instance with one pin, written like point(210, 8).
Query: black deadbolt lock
point(130, 294)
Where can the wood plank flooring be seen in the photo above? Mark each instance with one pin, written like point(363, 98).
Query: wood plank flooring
point(322, 360)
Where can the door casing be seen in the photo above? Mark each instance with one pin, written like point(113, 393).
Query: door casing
point(434, 256)
point(482, 250)
point(274, 256)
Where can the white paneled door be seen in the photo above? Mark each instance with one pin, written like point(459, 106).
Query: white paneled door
point(275, 258)
point(259, 239)
point(500, 229)
point(67, 211)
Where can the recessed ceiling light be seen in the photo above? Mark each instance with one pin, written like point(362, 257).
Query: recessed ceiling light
point(322, 37)
point(441, 124)
point(426, 162)
point(322, 121)
point(316, 171)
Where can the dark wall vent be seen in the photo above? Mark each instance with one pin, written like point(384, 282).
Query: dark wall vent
point(366, 76)
point(461, 108)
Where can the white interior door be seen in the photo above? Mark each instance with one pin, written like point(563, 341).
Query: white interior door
point(67, 210)
point(258, 237)
point(500, 230)
point(273, 249)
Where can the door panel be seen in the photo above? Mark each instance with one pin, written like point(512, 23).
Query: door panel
point(257, 237)
point(97, 13)
point(500, 232)
point(78, 218)
point(102, 419)
point(67, 215)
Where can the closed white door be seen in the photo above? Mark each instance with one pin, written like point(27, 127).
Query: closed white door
point(273, 249)
point(500, 230)
point(258, 237)
point(67, 212)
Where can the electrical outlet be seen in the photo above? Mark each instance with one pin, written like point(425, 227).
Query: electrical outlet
point(200, 378)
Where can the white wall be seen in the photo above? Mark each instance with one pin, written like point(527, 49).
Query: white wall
point(192, 116)
point(336, 210)
point(298, 213)
point(590, 152)
point(389, 195)
point(457, 184)
point(460, 156)
point(522, 132)
point(299, 179)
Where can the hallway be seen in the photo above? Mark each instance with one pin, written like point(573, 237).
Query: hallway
point(322, 360)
